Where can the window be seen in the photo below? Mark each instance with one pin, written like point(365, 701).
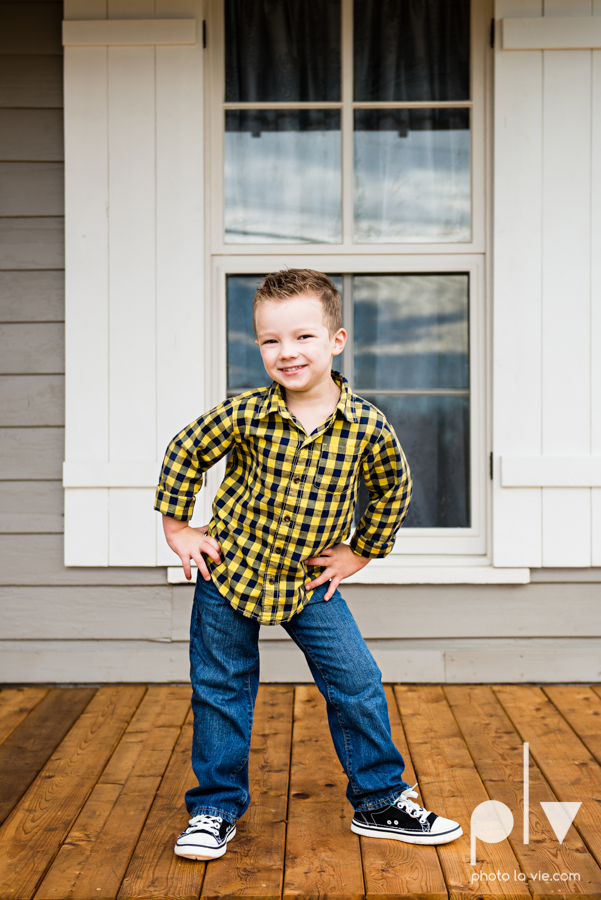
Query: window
point(348, 136)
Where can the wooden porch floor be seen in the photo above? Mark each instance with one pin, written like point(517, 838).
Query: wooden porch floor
point(92, 783)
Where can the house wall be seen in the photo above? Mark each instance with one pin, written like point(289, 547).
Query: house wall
point(90, 624)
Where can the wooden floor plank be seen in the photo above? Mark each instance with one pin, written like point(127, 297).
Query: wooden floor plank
point(572, 772)
point(26, 750)
point(497, 751)
point(581, 708)
point(323, 856)
point(254, 863)
point(15, 704)
point(450, 786)
point(32, 835)
point(155, 872)
point(97, 850)
point(393, 868)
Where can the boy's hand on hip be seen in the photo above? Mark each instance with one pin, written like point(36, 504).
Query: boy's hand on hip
point(339, 562)
point(190, 543)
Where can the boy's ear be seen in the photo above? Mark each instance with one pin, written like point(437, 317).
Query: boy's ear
point(339, 341)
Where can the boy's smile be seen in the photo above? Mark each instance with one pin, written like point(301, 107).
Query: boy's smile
point(296, 346)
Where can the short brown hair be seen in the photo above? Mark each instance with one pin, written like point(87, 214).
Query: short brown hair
point(291, 282)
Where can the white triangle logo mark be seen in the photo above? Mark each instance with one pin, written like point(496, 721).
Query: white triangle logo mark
point(561, 816)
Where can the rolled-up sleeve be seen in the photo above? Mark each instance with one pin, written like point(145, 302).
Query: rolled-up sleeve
point(388, 480)
point(191, 452)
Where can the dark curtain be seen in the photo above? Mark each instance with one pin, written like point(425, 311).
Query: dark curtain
point(412, 50)
point(286, 50)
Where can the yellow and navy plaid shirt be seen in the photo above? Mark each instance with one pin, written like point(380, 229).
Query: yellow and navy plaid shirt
point(286, 496)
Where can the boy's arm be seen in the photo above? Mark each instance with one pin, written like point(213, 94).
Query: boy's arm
point(388, 480)
point(191, 452)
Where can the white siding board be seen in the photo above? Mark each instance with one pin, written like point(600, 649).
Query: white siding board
point(32, 296)
point(566, 527)
point(31, 454)
point(87, 310)
point(566, 293)
point(131, 525)
point(86, 527)
point(32, 400)
point(37, 559)
point(517, 388)
point(32, 243)
point(95, 613)
point(596, 294)
point(132, 310)
point(32, 348)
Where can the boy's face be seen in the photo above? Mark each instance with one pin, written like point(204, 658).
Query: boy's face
point(295, 343)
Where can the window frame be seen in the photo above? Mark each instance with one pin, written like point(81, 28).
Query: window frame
point(436, 546)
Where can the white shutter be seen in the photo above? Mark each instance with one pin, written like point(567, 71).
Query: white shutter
point(134, 261)
point(547, 395)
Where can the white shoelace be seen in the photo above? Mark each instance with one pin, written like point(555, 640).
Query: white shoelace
point(212, 824)
point(413, 809)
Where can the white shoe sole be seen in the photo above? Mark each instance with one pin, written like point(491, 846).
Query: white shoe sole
point(424, 838)
point(204, 853)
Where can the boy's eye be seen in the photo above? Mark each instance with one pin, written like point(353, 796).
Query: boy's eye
point(306, 336)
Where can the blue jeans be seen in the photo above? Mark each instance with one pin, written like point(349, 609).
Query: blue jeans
point(224, 664)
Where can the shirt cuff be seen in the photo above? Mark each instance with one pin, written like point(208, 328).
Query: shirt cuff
point(362, 546)
point(174, 505)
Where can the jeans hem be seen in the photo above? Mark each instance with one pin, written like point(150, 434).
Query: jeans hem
point(377, 802)
point(214, 811)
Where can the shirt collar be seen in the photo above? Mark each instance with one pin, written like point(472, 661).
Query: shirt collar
point(274, 400)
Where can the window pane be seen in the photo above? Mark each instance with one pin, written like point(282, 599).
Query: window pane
point(244, 364)
point(434, 433)
point(408, 50)
point(411, 332)
point(412, 175)
point(282, 176)
point(287, 50)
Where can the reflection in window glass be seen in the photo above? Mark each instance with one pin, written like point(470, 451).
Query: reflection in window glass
point(244, 364)
point(411, 332)
point(434, 433)
point(412, 175)
point(287, 50)
point(282, 176)
point(412, 341)
point(407, 50)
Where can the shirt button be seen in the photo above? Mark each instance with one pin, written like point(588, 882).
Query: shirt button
point(287, 518)
point(271, 581)
point(278, 549)
point(296, 479)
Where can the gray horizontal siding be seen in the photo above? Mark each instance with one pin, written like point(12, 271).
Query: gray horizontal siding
point(33, 454)
point(31, 28)
point(32, 243)
point(31, 134)
point(31, 296)
point(32, 400)
point(32, 189)
point(37, 559)
point(34, 82)
point(31, 507)
point(32, 348)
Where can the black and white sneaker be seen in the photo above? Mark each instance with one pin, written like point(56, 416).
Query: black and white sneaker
point(405, 820)
point(206, 838)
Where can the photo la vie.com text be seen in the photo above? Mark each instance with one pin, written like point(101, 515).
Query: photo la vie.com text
point(492, 821)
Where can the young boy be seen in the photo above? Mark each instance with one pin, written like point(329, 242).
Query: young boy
point(273, 554)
